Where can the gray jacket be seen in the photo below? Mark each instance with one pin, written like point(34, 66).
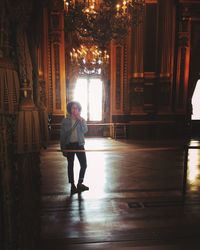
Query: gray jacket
point(66, 126)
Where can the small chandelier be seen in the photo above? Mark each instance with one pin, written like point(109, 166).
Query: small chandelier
point(89, 58)
point(102, 20)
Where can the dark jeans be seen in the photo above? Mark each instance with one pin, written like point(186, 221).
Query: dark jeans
point(82, 160)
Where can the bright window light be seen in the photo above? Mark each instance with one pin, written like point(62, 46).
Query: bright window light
point(196, 102)
point(89, 94)
point(95, 100)
point(81, 95)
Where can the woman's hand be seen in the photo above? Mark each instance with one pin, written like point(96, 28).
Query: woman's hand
point(78, 117)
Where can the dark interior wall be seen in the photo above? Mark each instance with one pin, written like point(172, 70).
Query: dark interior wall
point(194, 71)
point(150, 37)
point(160, 99)
point(195, 56)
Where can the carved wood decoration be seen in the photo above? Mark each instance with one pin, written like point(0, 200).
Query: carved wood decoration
point(125, 77)
point(150, 56)
point(143, 79)
point(136, 73)
point(57, 78)
point(189, 12)
point(50, 82)
point(183, 65)
point(137, 51)
point(116, 78)
point(166, 46)
point(150, 63)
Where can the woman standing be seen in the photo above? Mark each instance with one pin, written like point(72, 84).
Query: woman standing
point(73, 128)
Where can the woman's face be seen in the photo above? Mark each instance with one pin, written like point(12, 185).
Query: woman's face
point(75, 110)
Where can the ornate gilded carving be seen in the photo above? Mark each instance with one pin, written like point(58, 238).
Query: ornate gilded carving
point(183, 63)
point(56, 60)
point(57, 75)
point(166, 37)
point(137, 51)
point(125, 80)
point(50, 83)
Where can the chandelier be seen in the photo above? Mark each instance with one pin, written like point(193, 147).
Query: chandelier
point(93, 24)
point(89, 58)
point(102, 20)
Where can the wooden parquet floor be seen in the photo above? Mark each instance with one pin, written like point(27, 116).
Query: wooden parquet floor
point(135, 199)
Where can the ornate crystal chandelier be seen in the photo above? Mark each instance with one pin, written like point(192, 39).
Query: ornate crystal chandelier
point(103, 20)
point(89, 58)
point(99, 21)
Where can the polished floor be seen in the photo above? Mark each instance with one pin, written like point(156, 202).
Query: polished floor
point(135, 199)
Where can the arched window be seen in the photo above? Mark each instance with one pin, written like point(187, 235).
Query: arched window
point(196, 102)
point(89, 93)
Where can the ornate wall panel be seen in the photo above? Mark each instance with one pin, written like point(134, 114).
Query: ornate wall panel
point(166, 46)
point(144, 61)
point(117, 69)
point(183, 60)
point(150, 38)
point(50, 82)
point(57, 59)
point(45, 59)
point(136, 96)
point(126, 95)
point(57, 76)
point(136, 67)
point(150, 56)
point(152, 50)
point(137, 52)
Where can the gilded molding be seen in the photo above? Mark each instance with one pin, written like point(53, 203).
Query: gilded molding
point(57, 75)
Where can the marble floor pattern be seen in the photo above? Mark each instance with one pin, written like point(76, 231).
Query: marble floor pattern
point(135, 199)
